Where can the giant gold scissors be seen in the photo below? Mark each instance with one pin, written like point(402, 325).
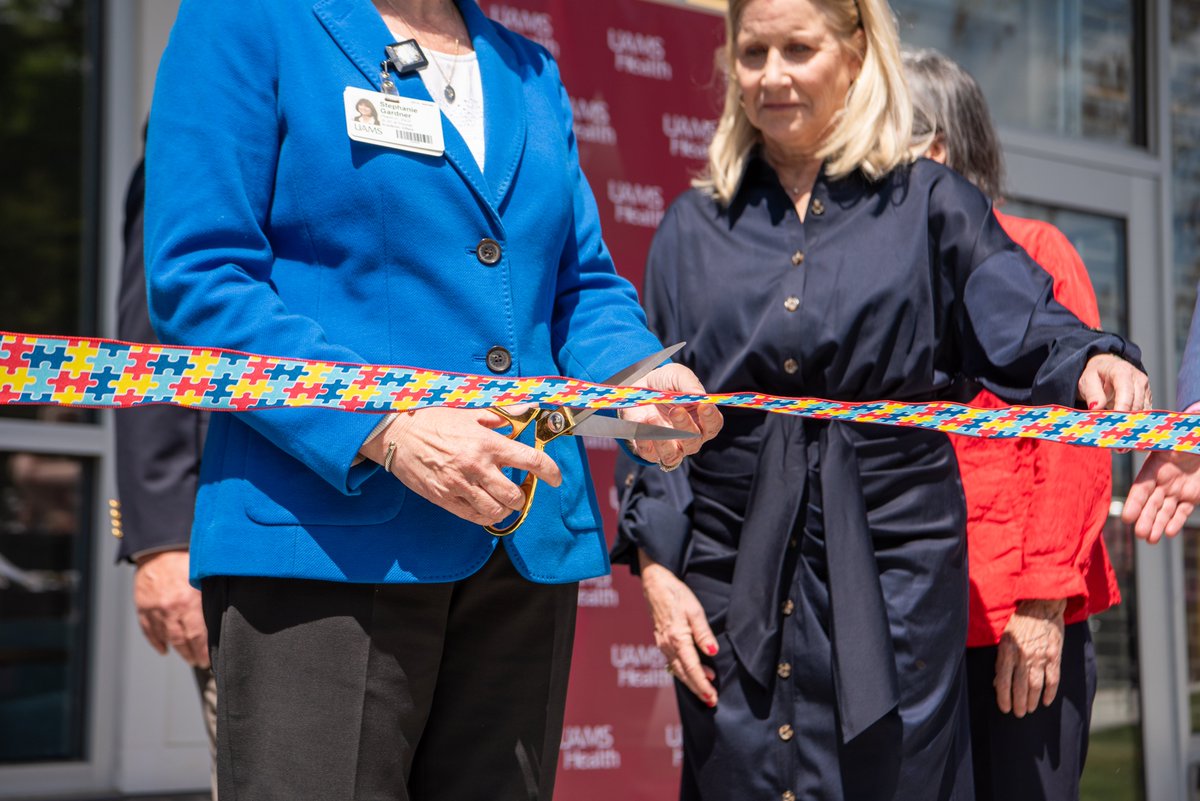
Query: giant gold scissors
point(552, 422)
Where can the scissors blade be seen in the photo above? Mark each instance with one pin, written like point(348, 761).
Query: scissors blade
point(615, 428)
point(633, 372)
point(640, 368)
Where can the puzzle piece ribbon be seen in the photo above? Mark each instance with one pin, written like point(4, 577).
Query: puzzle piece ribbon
point(100, 373)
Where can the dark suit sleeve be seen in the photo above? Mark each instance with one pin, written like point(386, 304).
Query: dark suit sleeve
point(1188, 391)
point(158, 447)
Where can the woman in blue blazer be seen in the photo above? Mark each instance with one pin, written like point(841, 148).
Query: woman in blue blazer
point(369, 637)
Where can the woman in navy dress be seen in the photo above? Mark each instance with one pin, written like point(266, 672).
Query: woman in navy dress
point(807, 580)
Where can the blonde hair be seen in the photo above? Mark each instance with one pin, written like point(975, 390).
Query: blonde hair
point(871, 134)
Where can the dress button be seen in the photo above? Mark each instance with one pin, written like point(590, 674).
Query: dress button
point(488, 252)
point(786, 732)
point(116, 532)
point(788, 795)
point(791, 366)
point(629, 479)
point(499, 360)
point(792, 303)
point(818, 208)
point(798, 258)
point(788, 607)
point(784, 670)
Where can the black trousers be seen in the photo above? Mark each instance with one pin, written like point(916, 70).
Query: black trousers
point(414, 692)
point(1041, 756)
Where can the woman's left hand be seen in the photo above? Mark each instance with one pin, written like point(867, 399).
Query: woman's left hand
point(1029, 657)
point(702, 419)
point(1110, 382)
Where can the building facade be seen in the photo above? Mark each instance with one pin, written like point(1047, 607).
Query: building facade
point(1098, 102)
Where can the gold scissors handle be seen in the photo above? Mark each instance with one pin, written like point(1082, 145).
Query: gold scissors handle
point(551, 423)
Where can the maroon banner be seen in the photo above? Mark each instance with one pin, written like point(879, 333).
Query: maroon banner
point(646, 99)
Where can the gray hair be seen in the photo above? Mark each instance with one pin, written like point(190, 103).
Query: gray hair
point(947, 102)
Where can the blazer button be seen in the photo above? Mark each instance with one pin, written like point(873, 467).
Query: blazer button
point(790, 366)
point(792, 303)
point(784, 670)
point(499, 360)
point(818, 208)
point(488, 252)
point(788, 795)
point(788, 607)
point(786, 732)
point(798, 258)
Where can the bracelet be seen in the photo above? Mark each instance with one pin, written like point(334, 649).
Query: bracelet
point(387, 459)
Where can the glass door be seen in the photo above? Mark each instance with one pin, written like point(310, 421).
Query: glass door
point(1111, 217)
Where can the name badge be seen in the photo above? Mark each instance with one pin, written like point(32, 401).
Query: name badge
point(402, 123)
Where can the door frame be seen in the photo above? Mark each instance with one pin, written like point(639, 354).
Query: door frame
point(1129, 186)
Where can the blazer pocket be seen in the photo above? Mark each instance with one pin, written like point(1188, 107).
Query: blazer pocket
point(278, 490)
point(578, 512)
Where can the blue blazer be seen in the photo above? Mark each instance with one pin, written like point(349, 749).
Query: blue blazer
point(268, 230)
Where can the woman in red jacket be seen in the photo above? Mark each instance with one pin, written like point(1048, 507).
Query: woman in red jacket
point(1037, 563)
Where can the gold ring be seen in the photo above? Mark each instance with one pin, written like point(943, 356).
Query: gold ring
point(670, 670)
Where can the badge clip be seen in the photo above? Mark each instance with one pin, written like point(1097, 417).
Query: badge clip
point(406, 56)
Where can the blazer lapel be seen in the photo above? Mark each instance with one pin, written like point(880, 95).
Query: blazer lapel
point(355, 25)
point(503, 101)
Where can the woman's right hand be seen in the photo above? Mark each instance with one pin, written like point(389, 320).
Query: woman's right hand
point(680, 628)
point(453, 458)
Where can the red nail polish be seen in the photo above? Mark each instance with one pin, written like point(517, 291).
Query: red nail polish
point(1093, 405)
point(711, 649)
point(710, 700)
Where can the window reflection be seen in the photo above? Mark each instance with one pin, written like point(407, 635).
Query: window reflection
point(48, 157)
point(1068, 67)
point(45, 504)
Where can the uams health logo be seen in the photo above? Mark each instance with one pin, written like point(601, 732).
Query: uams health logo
point(593, 123)
point(639, 665)
point(689, 136)
point(599, 592)
point(589, 748)
point(535, 25)
point(636, 204)
point(673, 737)
point(639, 54)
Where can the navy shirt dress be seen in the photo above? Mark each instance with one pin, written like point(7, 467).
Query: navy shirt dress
point(830, 557)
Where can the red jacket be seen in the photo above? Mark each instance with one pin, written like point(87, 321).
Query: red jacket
point(1035, 509)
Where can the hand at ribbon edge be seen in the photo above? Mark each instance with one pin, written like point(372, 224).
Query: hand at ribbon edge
point(1163, 495)
point(1112, 383)
point(702, 419)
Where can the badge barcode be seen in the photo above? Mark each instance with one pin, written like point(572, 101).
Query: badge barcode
point(424, 139)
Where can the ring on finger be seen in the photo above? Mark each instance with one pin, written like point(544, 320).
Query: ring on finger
point(670, 670)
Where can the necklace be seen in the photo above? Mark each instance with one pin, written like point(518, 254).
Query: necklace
point(448, 92)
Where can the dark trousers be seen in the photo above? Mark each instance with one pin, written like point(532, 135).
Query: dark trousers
point(1040, 756)
point(412, 692)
